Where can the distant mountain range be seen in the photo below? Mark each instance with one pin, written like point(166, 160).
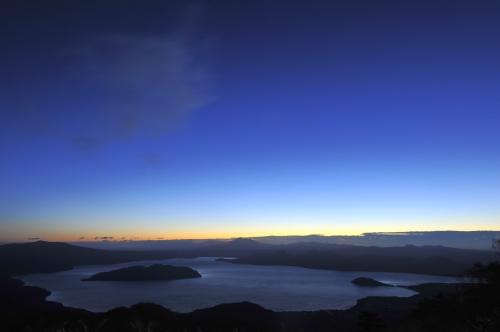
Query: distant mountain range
point(47, 257)
point(478, 240)
point(431, 260)
point(245, 247)
point(329, 260)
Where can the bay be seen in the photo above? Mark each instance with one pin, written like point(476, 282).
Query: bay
point(279, 288)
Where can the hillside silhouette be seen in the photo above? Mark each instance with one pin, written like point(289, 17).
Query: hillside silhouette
point(418, 261)
point(48, 257)
point(25, 308)
point(471, 305)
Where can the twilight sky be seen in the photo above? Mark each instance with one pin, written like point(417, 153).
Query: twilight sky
point(216, 119)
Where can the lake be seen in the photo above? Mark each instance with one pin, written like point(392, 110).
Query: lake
point(279, 288)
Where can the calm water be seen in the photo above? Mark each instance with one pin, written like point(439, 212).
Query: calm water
point(277, 288)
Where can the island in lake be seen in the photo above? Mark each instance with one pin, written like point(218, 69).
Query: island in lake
point(363, 281)
point(154, 272)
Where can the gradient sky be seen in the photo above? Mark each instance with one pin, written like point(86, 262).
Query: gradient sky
point(148, 119)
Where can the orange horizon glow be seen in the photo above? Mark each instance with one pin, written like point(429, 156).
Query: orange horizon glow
point(223, 236)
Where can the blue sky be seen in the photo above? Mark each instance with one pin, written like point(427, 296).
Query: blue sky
point(146, 119)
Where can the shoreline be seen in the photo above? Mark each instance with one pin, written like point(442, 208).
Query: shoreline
point(26, 302)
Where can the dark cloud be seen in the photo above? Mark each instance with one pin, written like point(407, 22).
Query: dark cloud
point(81, 238)
point(33, 238)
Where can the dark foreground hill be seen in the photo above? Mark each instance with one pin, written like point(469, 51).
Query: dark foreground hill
point(472, 305)
point(26, 309)
point(154, 272)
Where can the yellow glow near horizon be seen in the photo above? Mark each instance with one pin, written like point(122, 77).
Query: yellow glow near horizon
point(183, 230)
point(55, 236)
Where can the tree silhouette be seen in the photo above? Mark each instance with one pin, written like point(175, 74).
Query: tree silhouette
point(370, 322)
point(474, 307)
point(496, 245)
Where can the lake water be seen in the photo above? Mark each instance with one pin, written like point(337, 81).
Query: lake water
point(279, 288)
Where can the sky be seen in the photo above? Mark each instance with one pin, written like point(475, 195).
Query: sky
point(216, 119)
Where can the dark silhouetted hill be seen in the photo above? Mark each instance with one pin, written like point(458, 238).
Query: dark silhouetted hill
point(468, 256)
point(26, 309)
point(142, 273)
point(242, 247)
point(240, 244)
point(329, 260)
point(303, 247)
point(245, 247)
point(468, 306)
point(47, 257)
point(21, 305)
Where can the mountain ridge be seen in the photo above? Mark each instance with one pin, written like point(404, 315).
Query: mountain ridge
point(47, 257)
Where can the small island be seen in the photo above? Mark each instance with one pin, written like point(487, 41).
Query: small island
point(155, 272)
point(362, 281)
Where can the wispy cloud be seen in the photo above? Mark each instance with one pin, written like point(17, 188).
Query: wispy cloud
point(114, 86)
point(151, 84)
point(33, 238)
